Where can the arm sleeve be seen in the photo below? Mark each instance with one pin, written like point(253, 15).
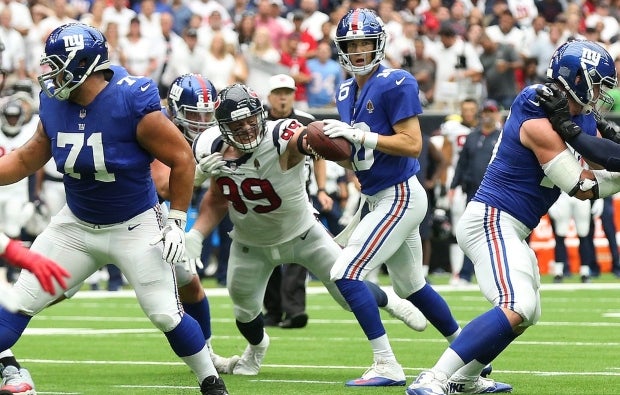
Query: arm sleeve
point(602, 151)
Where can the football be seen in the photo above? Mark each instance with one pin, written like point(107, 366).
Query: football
point(334, 149)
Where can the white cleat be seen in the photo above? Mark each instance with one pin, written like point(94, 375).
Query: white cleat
point(224, 365)
point(405, 311)
point(251, 359)
point(17, 382)
point(382, 373)
point(463, 385)
point(429, 383)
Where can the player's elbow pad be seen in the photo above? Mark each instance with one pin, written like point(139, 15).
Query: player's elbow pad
point(564, 171)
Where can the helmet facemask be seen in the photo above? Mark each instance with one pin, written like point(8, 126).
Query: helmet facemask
point(377, 54)
point(193, 120)
point(244, 131)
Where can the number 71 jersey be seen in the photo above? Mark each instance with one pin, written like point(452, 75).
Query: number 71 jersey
point(266, 204)
point(106, 173)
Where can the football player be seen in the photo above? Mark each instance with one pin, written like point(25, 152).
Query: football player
point(110, 131)
point(530, 166)
point(258, 177)
point(379, 109)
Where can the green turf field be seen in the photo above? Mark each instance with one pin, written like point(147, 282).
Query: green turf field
point(100, 343)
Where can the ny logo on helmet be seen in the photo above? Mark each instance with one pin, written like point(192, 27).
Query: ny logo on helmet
point(73, 42)
point(175, 92)
point(590, 57)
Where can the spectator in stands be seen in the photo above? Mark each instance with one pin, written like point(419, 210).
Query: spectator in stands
point(150, 20)
point(423, 70)
point(500, 62)
point(314, 18)
point(507, 32)
point(182, 15)
point(139, 52)
point(13, 57)
point(219, 65)
point(215, 24)
point(245, 28)
point(119, 12)
point(307, 43)
point(277, 32)
point(298, 68)
point(326, 76)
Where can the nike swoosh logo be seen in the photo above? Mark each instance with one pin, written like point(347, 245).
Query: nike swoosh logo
point(132, 227)
point(537, 104)
point(303, 237)
point(145, 87)
point(400, 81)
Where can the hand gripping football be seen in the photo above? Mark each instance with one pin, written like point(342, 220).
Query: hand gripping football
point(334, 149)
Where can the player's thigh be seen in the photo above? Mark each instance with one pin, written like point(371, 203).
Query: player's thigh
point(405, 266)
point(141, 262)
point(248, 272)
point(318, 253)
point(504, 264)
point(61, 242)
point(582, 215)
point(396, 215)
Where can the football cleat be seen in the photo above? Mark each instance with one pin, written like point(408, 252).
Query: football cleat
point(213, 385)
point(224, 365)
point(251, 359)
point(458, 385)
point(405, 311)
point(16, 382)
point(382, 373)
point(429, 383)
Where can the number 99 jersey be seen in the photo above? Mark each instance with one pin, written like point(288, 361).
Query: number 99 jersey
point(266, 204)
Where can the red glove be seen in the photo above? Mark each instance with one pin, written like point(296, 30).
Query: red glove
point(45, 269)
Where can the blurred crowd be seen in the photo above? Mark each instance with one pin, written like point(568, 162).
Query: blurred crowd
point(456, 49)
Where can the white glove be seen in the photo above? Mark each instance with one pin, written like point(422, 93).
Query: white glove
point(193, 247)
point(335, 128)
point(597, 207)
point(210, 166)
point(173, 237)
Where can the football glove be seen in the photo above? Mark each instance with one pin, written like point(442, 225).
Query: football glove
point(173, 237)
point(44, 269)
point(193, 248)
point(597, 207)
point(555, 104)
point(210, 166)
point(608, 129)
point(334, 128)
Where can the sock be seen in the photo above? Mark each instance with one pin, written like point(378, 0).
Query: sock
point(12, 326)
point(376, 291)
point(201, 364)
point(200, 312)
point(470, 371)
point(381, 348)
point(253, 331)
point(435, 309)
point(363, 305)
point(186, 338)
point(9, 361)
point(484, 338)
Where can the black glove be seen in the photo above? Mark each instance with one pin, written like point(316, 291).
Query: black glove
point(609, 130)
point(555, 104)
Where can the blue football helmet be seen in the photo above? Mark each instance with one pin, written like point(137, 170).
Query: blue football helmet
point(586, 71)
point(72, 52)
point(360, 24)
point(241, 117)
point(191, 104)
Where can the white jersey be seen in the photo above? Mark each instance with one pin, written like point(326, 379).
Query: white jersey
point(18, 190)
point(456, 133)
point(265, 207)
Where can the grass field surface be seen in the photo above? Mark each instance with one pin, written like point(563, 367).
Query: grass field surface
point(100, 343)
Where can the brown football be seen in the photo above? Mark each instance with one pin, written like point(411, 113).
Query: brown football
point(334, 149)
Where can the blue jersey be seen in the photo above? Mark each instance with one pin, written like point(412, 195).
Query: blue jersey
point(106, 174)
point(514, 180)
point(389, 96)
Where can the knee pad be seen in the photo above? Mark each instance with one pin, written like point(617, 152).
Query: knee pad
point(183, 275)
point(164, 322)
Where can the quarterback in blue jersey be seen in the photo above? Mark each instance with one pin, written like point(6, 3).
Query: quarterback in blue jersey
point(530, 166)
point(379, 110)
point(104, 128)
